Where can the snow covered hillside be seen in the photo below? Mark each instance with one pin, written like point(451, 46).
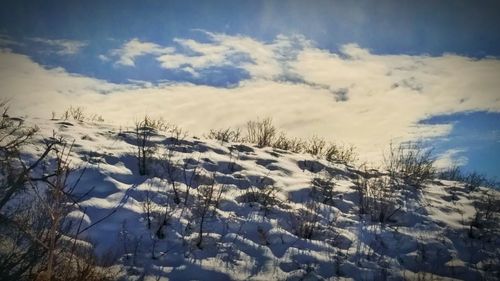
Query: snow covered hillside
point(193, 208)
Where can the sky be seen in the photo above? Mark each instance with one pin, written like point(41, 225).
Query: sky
point(366, 73)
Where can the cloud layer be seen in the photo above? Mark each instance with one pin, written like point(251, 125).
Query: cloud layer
point(351, 96)
point(62, 47)
point(135, 48)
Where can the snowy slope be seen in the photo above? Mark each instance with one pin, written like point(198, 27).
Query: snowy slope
point(426, 238)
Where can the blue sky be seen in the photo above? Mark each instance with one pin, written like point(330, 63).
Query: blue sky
point(408, 51)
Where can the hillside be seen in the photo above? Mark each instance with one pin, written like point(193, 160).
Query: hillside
point(265, 213)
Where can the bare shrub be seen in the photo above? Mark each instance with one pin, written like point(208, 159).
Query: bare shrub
point(225, 135)
point(163, 219)
point(156, 124)
point(149, 207)
point(322, 187)
point(265, 194)
point(157, 213)
point(261, 133)
point(75, 113)
point(453, 173)
point(340, 154)
point(410, 162)
point(191, 176)
point(378, 198)
point(14, 172)
point(296, 145)
point(55, 201)
point(305, 222)
point(65, 115)
point(361, 186)
point(315, 146)
point(177, 133)
point(130, 242)
point(78, 114)
point(208, 201)
point(21, 249)
point(95, 118)
point(38, 239)
point(21, 225)
point(485, 221)
point(472, 180)
point(171, 172)
point(66, 257)
point(144, 130)
point(81, 265)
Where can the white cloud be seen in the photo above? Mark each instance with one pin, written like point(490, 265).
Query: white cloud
point(6, 40)
point(451, 158)
point(103, 57)
point(135, 48)
point(63, 47)
point(385, 95)
point(261, 60)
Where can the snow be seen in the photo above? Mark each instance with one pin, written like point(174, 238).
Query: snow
point(244, 240)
